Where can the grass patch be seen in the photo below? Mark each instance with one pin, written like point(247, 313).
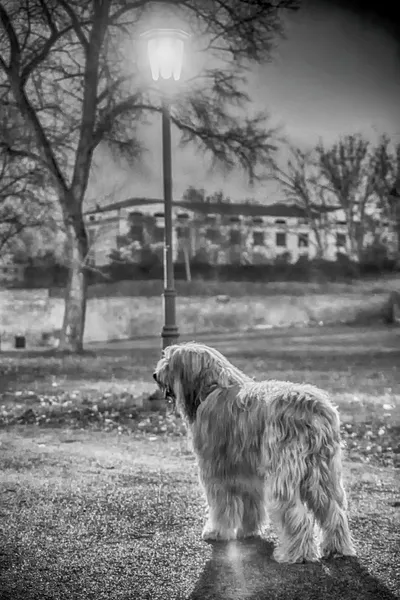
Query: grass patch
point(238, 289)
point(110, 390)
point(84, 515)
point(100, 498)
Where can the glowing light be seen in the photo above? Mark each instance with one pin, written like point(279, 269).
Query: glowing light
point(165, 50)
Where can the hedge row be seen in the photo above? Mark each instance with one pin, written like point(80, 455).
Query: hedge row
point(302, 270)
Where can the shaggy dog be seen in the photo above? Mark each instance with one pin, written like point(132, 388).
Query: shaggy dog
point(270, 446)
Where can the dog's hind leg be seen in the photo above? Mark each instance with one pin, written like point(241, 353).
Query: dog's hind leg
point(225, 512)
point(336, 537)
point(295, 529)
point(327, 499)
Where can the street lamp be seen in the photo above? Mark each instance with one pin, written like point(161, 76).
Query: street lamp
point(165, 49)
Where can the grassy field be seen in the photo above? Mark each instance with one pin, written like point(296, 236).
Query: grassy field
point(134, 309)
point(99, 499)
point(238, 289)
point(86, 516)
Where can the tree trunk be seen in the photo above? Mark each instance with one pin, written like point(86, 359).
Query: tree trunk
point(187, 263)
point(75, 293)
point(320, 248)
point(317, 226)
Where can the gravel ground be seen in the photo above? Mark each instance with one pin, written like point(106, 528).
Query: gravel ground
point(106, 516)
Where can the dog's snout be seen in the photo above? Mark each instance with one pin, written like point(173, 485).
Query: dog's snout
point(155, 376)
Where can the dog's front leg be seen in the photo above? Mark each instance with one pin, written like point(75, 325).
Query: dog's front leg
point(225, 511)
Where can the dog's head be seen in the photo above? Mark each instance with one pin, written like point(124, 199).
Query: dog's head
point(187, 373)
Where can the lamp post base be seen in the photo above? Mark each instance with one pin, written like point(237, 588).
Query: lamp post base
point(169, 336)
point(170, 333)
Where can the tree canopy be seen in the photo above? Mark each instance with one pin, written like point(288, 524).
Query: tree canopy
point(71, 74)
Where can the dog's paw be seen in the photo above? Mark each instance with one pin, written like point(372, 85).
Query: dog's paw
point(281, 557)
point(246, 535)
point(332, 554)
point(214, 535)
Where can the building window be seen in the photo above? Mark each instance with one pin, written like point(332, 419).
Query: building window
point(340, 240)
point(303, 240)
point(280, 222)
point(281, 240)
point(234, 219)
point(212, 235)
point(210, 219)
point(234, 236)
point(122, 240)
point(158, 234)
point(136, 233)
point(92, 218)
point(258, 238)
point(257, 220)
point(182, 233)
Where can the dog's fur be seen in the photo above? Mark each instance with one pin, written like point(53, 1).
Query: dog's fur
point(271, 446)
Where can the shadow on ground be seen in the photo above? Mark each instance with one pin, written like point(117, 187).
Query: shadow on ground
point(241, 570)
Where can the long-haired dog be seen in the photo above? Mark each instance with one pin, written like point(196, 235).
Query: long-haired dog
point(262, 448)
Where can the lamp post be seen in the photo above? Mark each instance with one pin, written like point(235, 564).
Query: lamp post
point(165, 52)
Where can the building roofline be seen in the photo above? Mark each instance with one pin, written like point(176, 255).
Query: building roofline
point(277, 209)
point(128, 202)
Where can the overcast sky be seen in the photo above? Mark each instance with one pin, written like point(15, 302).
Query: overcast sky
point(334, 74)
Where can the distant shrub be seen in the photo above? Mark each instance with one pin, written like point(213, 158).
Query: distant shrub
point(375, 262)
point(376, 259)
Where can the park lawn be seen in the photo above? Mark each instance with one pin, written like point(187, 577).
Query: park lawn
point(105, 503)
point(106, 516)
point(106, 387)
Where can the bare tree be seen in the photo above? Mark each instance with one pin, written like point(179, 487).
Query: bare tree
point(299, 180)
point(193, 194)
point(387, 157)
point(23, 205)
point(64, 65)
point(358, 176)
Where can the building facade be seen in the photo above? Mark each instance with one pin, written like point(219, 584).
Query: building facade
point(218, 233)
point(10, 272)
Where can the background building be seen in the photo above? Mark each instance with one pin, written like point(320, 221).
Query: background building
point(215, 232)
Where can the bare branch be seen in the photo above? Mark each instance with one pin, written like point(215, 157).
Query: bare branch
point(43, 54)
point(15, 49)
point(85, 148)
point(109, 117)
point(131, 7)
point(48, 17)
point(76, 24)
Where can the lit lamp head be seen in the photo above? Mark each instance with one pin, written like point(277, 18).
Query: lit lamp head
point(165, 49)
